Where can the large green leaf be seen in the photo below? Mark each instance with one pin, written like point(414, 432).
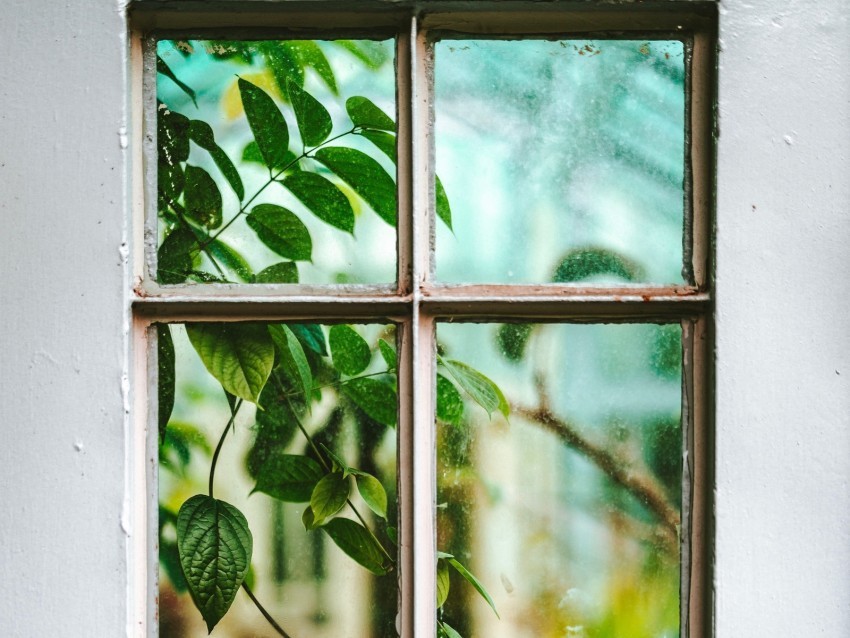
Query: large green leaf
point(363, 112)
point(314, 121)
point(355, 540)
point(284, 272)
point(350, 352)
point(449, 401)
point(366, 176)
point(175, 256)
point(373, 493)
point(282, 59)
point(202, 134)
point(482, 390)
point(322, 198)
point(267, 124)
point(215, 548)
point(376, 398)
point(165, 379)
point(288, 477)
point(329, 497)
point(282, 231)
point(202, 198)
point(239, 355)
point(472, 580)
point(292, 357)
point(443, 582)
point(162, 67)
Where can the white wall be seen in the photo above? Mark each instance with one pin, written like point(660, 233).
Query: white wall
point(783, 342)
point(783, 439)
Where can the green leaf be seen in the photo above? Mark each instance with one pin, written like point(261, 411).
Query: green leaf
point(162, 67)
point(447, 631)
point(372, 54)
point(581, 263)
point(385, 142)
point(292, 357)
point(472, 580)
point(449, 401)
point(389, 354)
point(314, 121)
point(308, 519)
point(355, 540)
point(215, 548)
point(329, 497)
point(172, 135)
point(267, 124)
point(251, 153)
point(312, 55)
point(363, 112)
point(288, 477)
point(444, 210)
point(322, 198)
point(202, 134)
point(231, 259)
point(239, 355)
point(282, 231)
point(373, 493)
point(350, 352)
point(202, 198)
point(165, 378)
point(443, 582)
point(285, 272)
point(482, 390)
point(366, 176)
point(512, 339)
point(338, 463)
point(376, 398)
point(175, 256)
point(311, 335)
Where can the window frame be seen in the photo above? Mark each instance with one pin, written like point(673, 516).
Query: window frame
point(415, 303)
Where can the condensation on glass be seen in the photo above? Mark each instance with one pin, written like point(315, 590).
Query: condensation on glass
point(276, 161)
point(568, 510)
point(302, 578)
point(563, 160)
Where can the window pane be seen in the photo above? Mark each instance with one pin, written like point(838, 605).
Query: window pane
point(567, 511)
point(276, 161)
point(561, 160)
point(338, 579)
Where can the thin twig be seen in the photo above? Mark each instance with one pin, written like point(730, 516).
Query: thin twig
point(218, 447)
point(280, 630)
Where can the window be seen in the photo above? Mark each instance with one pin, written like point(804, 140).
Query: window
point(447, 282)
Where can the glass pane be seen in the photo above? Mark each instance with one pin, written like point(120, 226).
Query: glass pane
point(276, 161)
point(561, 161)
point(567, 511)
point(327, 461)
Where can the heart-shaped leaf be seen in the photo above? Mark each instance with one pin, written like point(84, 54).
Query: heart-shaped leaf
point(215, 548)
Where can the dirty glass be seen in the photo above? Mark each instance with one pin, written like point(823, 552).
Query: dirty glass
point(562, 160)
point(275, 161)
point(559, 479)
point(277, 476)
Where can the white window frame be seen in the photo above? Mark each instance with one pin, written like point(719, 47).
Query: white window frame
point(417, 303)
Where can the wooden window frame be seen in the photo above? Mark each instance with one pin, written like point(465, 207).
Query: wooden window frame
point(417, 302)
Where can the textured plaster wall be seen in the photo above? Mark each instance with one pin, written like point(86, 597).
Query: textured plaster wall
point(783, 320)
point(62, 206)
point(783, 340)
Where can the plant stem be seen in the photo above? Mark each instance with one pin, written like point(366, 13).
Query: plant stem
point(270, 181)
point(263, 611)
point(221, 443)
